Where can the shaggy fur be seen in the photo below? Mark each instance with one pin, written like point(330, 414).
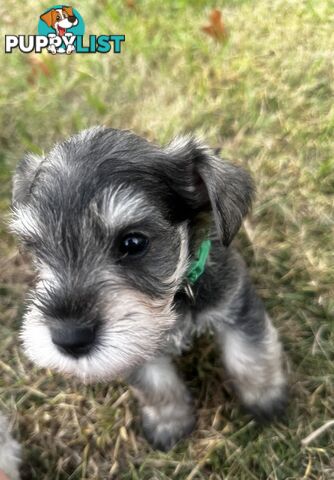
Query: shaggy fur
point(99, 313)
point(9, 451)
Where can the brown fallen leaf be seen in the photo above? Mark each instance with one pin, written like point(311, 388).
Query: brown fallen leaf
point(216, 27)
point(130, 3)
point(38, 66)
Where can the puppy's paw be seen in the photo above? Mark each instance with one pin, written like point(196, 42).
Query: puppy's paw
point(9, 451)
point(268, 404)
point(70, 49)
point(52, 49)
point(165, 425)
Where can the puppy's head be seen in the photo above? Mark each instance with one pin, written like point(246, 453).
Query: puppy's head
point(111, 222)
point(60, 18)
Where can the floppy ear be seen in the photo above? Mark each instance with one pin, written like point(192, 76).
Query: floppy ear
point(47, 18)
point(208, 183)
point(24, 178)
point(69, 11)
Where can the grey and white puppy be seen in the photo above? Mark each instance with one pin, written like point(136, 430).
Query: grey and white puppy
point(113, 223)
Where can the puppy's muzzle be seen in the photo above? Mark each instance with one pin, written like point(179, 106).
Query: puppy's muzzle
point(74, 340)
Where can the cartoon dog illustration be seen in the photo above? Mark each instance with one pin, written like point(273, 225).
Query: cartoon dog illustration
point(60, 19)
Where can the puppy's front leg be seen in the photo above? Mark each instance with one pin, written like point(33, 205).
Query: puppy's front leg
point(167, 412)
point(251, 350)
point(9, 452)
point(256, 370)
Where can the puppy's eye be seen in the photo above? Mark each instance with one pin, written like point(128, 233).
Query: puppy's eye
point(133, 244)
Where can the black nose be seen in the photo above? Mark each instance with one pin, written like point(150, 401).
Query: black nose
point(74, 340)
point(72, 19)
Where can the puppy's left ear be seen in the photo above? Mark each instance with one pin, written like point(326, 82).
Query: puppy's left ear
point(208, 183)
point(69, 11)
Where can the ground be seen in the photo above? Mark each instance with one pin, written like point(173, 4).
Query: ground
point(264, 94)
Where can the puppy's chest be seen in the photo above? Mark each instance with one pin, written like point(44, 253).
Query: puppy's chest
point(188, 326)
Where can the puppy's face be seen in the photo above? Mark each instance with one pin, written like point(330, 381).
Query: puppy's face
point(60, 19)
point(108, 218)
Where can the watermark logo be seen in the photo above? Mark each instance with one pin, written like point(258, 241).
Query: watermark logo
point(61, 29)
point(63, 22)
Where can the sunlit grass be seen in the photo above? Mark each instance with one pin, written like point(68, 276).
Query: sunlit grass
point(265, 97)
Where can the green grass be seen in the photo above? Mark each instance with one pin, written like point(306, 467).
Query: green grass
point(266, 97)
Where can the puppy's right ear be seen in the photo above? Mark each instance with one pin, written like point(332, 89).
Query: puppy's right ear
point(47, 17)
point(24, 178)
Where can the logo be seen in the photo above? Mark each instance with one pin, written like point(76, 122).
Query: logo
point(61, 30)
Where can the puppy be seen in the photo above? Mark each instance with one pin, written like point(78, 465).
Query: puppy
point(60, 19)
point(131, 243)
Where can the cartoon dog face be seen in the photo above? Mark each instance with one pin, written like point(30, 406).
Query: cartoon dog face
point(60, 19)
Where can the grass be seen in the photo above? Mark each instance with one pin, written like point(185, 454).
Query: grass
point(266, 97)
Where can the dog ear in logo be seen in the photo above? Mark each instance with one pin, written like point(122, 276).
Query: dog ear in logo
point(69, 11)
point(48, 17)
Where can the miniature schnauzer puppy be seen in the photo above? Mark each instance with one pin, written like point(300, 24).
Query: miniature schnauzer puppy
point(131, 245)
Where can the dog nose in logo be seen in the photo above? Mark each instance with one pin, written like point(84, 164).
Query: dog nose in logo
point(74, 340)
point(72, 19)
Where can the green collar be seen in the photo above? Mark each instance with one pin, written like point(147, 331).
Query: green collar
point(197, 266)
